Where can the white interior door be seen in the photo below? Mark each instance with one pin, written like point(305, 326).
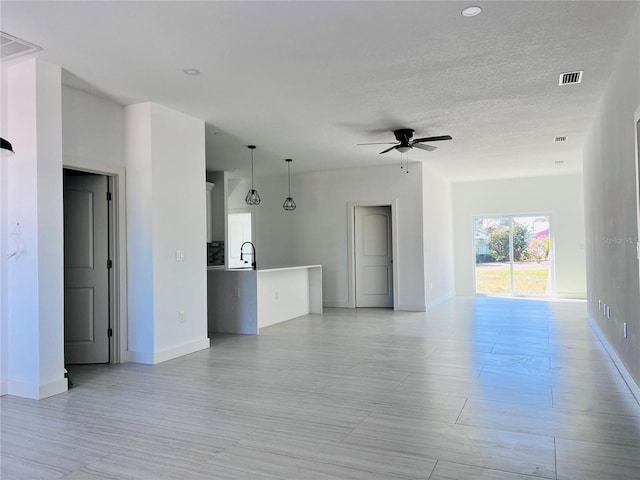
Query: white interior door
point(86, 275)
point(240, 226)
point(374, 257)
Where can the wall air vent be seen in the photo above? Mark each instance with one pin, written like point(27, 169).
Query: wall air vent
point(12, 47)
point(570, 78)
point(560, 139)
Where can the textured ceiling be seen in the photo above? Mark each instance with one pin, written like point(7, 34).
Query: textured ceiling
point(310, 80)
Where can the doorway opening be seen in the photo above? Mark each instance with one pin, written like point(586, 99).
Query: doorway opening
point(90, 294)
point(513, 255)
point(240, 229)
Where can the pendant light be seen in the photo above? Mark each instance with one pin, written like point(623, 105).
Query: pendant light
point(252, 197)
point(6, 147)
point(289, 205)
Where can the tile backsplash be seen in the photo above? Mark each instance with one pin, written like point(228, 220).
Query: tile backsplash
point(215, 253)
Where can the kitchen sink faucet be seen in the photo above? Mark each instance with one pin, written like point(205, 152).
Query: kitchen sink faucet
point(253, 254)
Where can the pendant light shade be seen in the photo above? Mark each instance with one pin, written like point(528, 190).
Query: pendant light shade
point(289, 205)
point(252, 197)
point(6, 147)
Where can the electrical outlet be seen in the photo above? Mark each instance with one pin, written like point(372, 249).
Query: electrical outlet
point(179, 255)
point(181, 317)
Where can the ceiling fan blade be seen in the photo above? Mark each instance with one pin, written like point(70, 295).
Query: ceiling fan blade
point(428, 148)
point(379, 143)
point(433, 139)
point(388, 149)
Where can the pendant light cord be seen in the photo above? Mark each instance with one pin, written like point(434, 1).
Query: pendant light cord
point(289, 175)
point(252, 169)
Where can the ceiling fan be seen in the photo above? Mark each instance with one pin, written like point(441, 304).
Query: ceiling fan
point(406, 142)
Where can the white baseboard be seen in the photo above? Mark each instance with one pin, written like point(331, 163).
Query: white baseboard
point(633, 386)
point(410, 308)
point(140, 357)
point(36, 391)
point(400, 307)
point(151, 358)
point(571, 295)
point(336, 305)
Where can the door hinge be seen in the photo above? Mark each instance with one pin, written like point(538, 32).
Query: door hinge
point(109, 264)
point(109, 332)
point(108, 196)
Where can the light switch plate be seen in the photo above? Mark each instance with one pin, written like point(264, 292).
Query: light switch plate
point(179, 255)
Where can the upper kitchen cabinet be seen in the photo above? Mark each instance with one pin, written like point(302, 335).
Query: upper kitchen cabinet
point(210, 187)
point(216, 217)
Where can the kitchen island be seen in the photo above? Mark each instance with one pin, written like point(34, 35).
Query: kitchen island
point(245, 300)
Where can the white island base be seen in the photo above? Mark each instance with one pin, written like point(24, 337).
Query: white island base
point(244, 300)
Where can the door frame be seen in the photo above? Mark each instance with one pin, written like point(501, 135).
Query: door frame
point(636, 128)
point(552, 249)
point(351, 246)
point(118, 343)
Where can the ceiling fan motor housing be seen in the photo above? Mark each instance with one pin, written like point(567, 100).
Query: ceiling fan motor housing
point(403, 135)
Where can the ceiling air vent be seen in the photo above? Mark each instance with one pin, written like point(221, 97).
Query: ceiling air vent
point(560, 139)
point(570, 78)
point(12, 47)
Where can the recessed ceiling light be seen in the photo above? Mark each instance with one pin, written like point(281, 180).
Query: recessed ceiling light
point(471, 11)
point(191, 71)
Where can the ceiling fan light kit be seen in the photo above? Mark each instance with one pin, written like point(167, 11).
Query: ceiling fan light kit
point(471, 11)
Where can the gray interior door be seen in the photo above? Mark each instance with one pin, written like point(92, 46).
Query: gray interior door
point(374, 257)
point(86, 275)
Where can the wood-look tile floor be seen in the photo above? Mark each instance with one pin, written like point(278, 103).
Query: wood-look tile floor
point(477, 388)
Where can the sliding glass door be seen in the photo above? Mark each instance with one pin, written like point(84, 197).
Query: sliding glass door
point(513, 255)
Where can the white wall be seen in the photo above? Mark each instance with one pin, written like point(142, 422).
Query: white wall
point(92, 129)
point(438, 237)
point(4, 236)
point(32, 313)
point(610, 205)
point(166, 212)
point(561, 196)
point(316, 232)
point(236, 190)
